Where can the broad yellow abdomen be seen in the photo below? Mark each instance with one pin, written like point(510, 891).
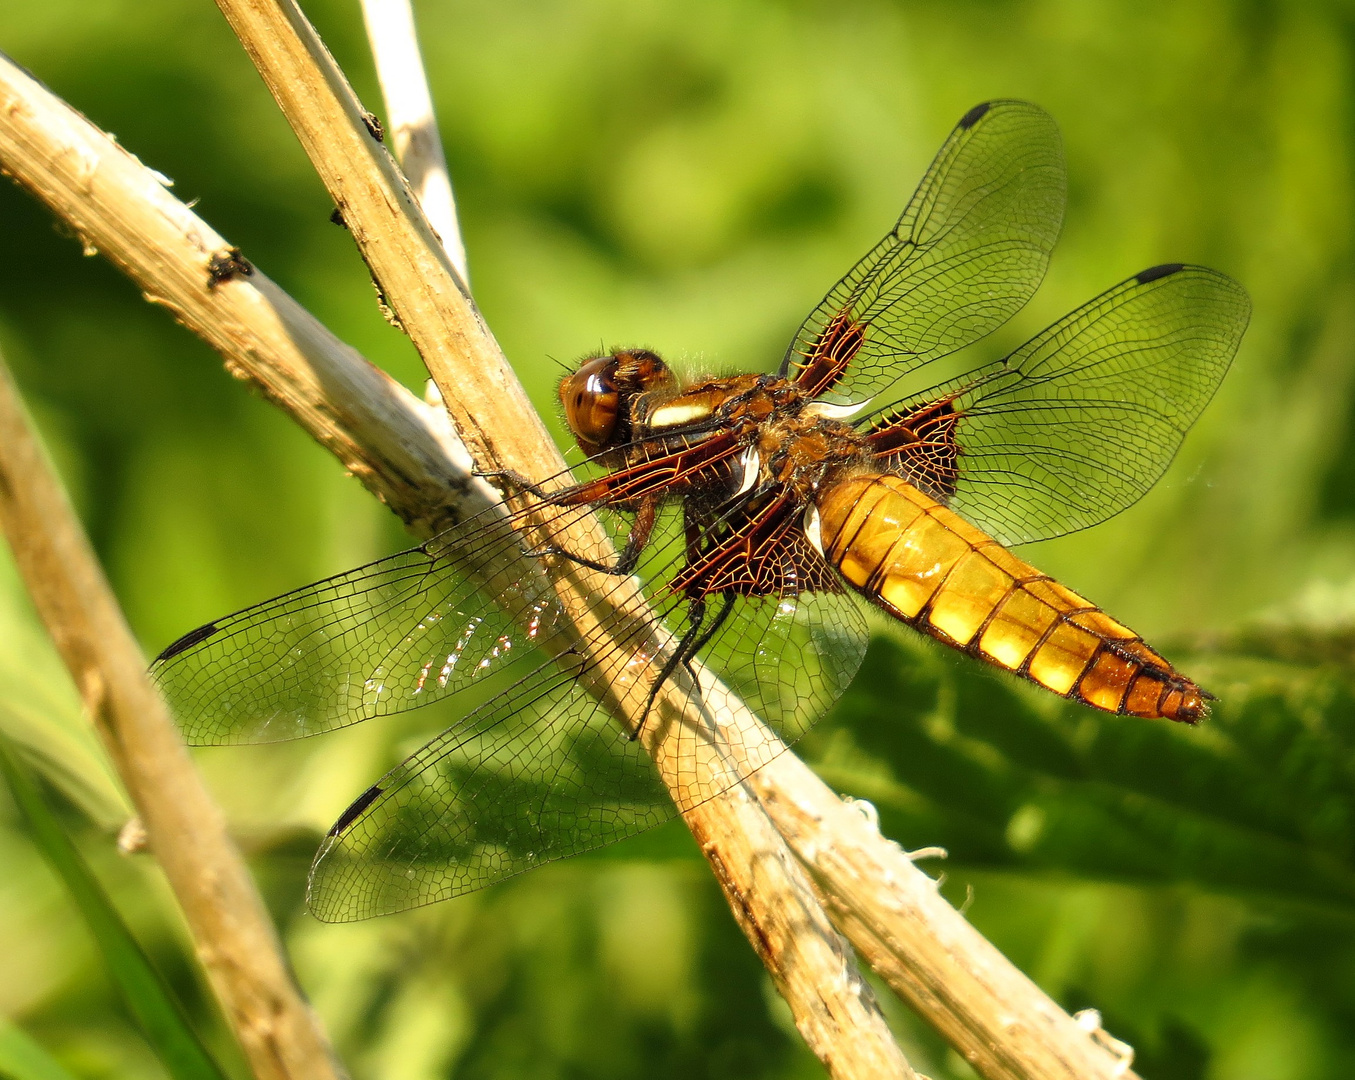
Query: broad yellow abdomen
point(929, 567)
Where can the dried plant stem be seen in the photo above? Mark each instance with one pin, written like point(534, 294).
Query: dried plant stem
point(410, 123)
point(231, 928)
point(402, 450)
point(812, 965)
point(1004, 1025)
point(917, 941)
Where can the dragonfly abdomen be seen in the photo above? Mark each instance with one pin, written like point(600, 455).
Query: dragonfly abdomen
point(930, 568)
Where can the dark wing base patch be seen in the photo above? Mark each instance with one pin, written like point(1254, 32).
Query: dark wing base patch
point(762, 552)
point(919, 445)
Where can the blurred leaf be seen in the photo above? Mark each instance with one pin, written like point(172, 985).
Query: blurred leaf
point(70, 760)
point(145, 993)
point(41, 713)
point(21, 1058)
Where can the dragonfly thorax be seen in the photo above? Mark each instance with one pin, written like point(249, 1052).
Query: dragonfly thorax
point(628, 407)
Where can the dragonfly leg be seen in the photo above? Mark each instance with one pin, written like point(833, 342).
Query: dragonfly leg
point(692, 536)
point(623, 565)
point(516, 479)
point(693, 641)
point(726, 606)
point(641, 530)
point(696, 614)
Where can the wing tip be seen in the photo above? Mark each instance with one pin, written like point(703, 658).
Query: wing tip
point(355, 810)
point(183, 644)
point(974, 115)
point(983, 108)
point(1143, 277)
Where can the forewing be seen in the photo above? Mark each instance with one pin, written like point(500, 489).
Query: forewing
point(1079, 422)
point(394, 635)
point(968, 252)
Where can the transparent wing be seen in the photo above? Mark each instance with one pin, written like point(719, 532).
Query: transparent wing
point(538, 773)
point(790, 658)
point(1079, 422)
point(542, 771)
point(395, 635)
point(968, 252)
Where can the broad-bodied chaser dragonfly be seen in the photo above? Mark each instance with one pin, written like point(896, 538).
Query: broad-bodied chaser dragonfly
point(755, 511)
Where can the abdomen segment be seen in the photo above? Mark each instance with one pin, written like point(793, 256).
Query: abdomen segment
point(927, 566)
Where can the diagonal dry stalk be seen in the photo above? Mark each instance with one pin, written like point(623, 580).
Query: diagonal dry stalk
point(412, 129)
point(811, 964)
point(994, 1016)
point(235, 938)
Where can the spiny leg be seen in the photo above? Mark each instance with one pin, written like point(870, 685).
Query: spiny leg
point(696, 614)
point(726, 606)
point(640, 531)
point(515, 478)
point(693, 641)
point(691, 536)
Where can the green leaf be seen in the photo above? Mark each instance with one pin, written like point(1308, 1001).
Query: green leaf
point(40, 712)
point(145, 993)
point(21, 1058)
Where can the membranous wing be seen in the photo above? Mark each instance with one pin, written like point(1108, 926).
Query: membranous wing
point(1079, 422)
point(543, 771)
point(541, 766)
point(968, 252)
point(395, 635)
point(456, 612)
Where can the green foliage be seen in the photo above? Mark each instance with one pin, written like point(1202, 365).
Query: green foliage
point(1257, 804)
point(23, 1059)
point(692, 177)
point(145, 993)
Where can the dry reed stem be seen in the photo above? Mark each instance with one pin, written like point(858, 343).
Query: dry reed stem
point(919, 945)
point(403, 451)
point(1004, 1025)
point(231, 929)
point(811, 964)
point(410, 123)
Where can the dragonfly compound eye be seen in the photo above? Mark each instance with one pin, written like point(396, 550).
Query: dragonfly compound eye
point(592, 403)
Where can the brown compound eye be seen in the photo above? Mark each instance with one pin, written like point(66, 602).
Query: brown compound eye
point(592, 402)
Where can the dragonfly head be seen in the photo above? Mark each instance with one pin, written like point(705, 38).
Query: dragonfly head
point(599, 396)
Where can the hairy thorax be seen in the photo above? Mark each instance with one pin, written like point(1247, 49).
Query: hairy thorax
point(783, 436)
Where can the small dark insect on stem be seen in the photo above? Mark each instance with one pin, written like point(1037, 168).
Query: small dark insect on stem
point(227, 264)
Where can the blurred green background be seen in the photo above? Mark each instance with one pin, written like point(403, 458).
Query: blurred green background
point(692, 176)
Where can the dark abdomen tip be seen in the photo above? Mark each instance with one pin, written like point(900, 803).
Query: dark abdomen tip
point(1189, 705)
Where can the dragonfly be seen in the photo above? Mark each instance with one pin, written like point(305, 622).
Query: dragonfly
point(750, 521)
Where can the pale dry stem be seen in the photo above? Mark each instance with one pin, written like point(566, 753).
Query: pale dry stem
point(401, 449)
point(1004, 1025)
point(410, 122)
point(402, 454)
point(231, 928)
point(811, 964)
